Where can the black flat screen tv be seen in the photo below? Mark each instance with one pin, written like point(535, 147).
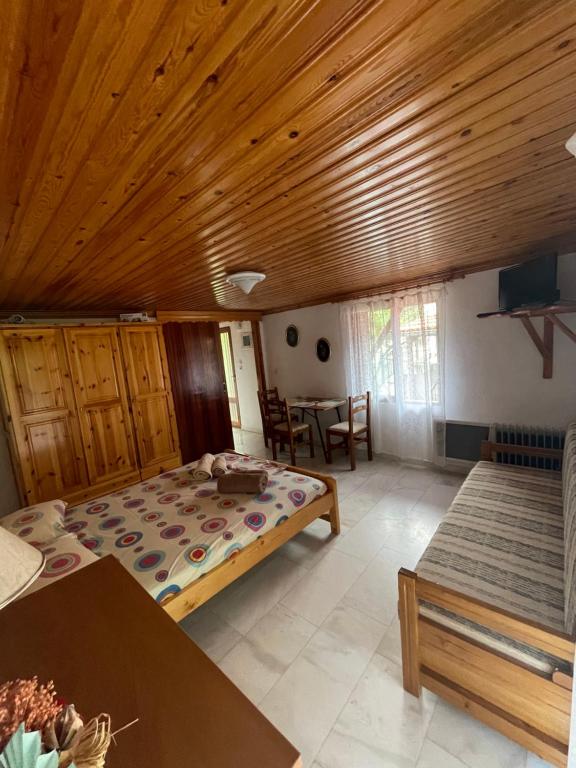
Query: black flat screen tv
point(532, 283)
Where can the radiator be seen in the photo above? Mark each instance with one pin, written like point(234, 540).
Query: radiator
point(534, 437)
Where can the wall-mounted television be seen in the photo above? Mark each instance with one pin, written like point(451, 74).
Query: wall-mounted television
point(532, 283)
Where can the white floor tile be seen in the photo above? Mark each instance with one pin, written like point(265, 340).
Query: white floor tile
point(332, 662)
point(476, 745)
point(309, 546)
point(381, 725)
point(304, 704)
point(257, 661)
point(390, 646)
point(244, 605)
point(214, 635)
point(536, 762)
point(344, 644)
point(318, 593)
point(397, 503)
point(433, 756)
point(375, 592)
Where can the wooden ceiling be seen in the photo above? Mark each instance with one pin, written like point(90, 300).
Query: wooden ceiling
point(150, 146)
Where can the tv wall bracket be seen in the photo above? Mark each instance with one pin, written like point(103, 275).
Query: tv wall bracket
point(544, 343)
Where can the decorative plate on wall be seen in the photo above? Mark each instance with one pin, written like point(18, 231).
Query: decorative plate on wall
point(323, 350)
point(292, 336)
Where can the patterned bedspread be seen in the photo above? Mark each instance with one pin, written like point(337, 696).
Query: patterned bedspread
point(170, 530)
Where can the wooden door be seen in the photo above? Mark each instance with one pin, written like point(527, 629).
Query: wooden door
point(42, 414)
point(230, 375)
point(198, 385)
point(150, 395)
point(103, 409)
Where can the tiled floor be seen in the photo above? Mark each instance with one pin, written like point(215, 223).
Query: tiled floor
point(312, 638)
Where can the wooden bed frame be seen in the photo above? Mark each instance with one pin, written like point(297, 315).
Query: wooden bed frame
point(524, 705)
point(198, 592)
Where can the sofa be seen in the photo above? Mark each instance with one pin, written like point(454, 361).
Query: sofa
point(488, 617)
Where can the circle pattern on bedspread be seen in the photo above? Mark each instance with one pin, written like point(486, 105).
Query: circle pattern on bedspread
point(133, 503)
point(189, 509)
point(151, 487)
point(227, 535)
point(196, 554)
point(60, 565)
point(265, 498)
point(204, 493)
point(255, 520)
point(281, 520)
point(92, 543)
point(214, 525)
point(129, 539)
point(232, 551)
point(23, 532)
point(171, 589)
point(76, 527)
point(152, 517)
point(161, 575)
point(168, 498)
point(172, 532)
point(95, 509)
point(25, 519)
point(149, 560)
point(297, 497)
point(112, 522)
point(227, 503)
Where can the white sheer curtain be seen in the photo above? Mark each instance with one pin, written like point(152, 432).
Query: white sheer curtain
point(394, 347)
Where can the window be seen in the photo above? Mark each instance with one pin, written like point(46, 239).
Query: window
point(406, 352)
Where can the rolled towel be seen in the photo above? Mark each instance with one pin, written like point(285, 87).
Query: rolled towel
point(203, 470)
point(243, 482)
point(219, 466)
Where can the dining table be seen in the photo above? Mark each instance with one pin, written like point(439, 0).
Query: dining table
point(314, 406)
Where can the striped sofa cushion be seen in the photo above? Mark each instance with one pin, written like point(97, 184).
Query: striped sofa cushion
point(569, 501)
point(502, 541)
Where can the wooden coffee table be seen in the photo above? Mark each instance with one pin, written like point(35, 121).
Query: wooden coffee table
point(109, 648)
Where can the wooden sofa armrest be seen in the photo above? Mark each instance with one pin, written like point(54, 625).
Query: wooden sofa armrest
point(488, 451)
point(538, 636)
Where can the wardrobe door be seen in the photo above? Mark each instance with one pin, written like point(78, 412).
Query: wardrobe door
point(150, 395)
point(103, 410)
point(42, 414)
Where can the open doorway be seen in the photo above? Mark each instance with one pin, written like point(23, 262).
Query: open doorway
point(237, 344)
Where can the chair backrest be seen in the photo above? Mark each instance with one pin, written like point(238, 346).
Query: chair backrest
point(286, 413)
point(569, 506)
point(359, 404)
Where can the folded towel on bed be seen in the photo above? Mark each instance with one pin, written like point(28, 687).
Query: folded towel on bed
point(203, 470)
point(253, 482)
point(219, 466)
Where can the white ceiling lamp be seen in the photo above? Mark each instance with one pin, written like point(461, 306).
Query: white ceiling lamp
point(571, 144)
point(245, 280)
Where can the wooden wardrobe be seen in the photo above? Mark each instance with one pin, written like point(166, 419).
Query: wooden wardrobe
point(88, 408)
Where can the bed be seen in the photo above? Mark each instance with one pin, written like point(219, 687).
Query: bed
point(181, 539)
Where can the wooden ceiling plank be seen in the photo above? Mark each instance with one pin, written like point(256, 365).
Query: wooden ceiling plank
point(508, 11)
point(534, 98)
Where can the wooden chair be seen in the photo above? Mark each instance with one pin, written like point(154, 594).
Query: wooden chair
point(269, 413)
point(288, 431)
point(361, 432)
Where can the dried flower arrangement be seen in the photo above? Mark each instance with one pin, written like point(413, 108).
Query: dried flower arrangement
point(36, 728)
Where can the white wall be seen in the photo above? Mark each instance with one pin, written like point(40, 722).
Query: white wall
point(296, 371)
point(493, 370)
point(246, 378)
